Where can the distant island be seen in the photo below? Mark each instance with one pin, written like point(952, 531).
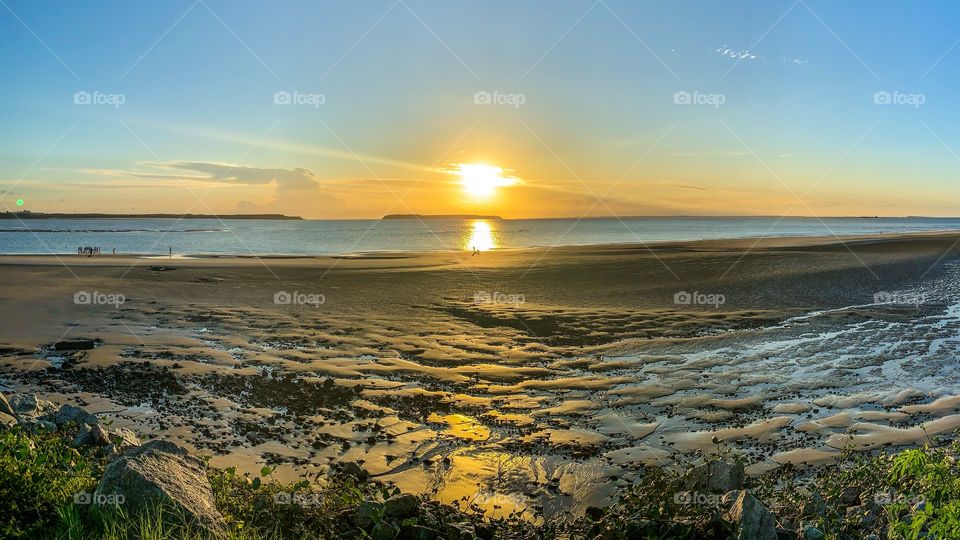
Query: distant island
point(26, 214)
point(438, 216)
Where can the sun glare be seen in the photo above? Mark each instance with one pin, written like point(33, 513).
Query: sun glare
point(482, 181)
point(481, 237)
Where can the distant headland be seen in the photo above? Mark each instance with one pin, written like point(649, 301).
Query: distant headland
point(26, 214)
point(439, 216)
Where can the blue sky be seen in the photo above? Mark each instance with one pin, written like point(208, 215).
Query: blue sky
point(599, 130)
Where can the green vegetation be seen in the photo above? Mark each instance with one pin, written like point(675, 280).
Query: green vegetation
point(912, 494)
point(39, 475)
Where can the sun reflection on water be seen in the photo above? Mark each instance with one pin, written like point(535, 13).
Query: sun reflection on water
point(481, 237)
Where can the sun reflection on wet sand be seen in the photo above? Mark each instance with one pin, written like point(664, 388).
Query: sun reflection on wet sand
point(482, 237)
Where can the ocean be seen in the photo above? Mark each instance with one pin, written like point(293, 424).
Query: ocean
point(337, 237)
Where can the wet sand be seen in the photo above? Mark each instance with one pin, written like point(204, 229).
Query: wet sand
point(516, 378)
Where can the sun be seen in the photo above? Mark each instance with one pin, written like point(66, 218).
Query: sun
point(481, 180)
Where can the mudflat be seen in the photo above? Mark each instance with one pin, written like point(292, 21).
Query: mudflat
point(514, 377)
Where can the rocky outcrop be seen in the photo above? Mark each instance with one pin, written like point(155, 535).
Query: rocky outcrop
point(716, 476)
point(162, 473)
point(750, 517)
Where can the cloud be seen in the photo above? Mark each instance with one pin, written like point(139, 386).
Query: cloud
point(737, 54)
point(284, 179)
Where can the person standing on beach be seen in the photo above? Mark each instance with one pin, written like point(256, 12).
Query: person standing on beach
point(171, 252)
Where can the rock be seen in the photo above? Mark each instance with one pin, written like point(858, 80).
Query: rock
point(812, 533)
point(850, 495)
point(402, 506)
point(99, 436)
point(76, 344)
point(751, 518)
point(89, 435)
point(815, 505)
point(353, 469)
point(70, 414)
point(84, 436)
point(716, 476)
point(594, 513)
point(30, 406)
point(7, 420)
point(34, 426)
point(368, 513)
point(162, 473)
point(5, 407)
point(417, 532)
point(124, 438)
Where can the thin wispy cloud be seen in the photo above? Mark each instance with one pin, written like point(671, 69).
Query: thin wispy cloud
point(237, 174)
point(736, 54)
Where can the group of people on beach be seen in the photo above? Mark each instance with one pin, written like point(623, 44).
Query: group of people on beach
point(90, 251)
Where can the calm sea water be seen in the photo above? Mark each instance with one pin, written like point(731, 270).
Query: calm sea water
point(328, 237)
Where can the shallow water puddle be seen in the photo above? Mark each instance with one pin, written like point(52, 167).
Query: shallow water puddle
point(461, 426)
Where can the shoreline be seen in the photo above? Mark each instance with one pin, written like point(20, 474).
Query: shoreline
point(730, 244)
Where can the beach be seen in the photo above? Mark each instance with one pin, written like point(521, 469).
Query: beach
point(516, 377)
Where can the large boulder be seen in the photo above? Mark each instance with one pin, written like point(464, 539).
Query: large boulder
point(162, 473)
point(751, 518)
point(29, 406)
point(68, 414)
point(716, 476)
